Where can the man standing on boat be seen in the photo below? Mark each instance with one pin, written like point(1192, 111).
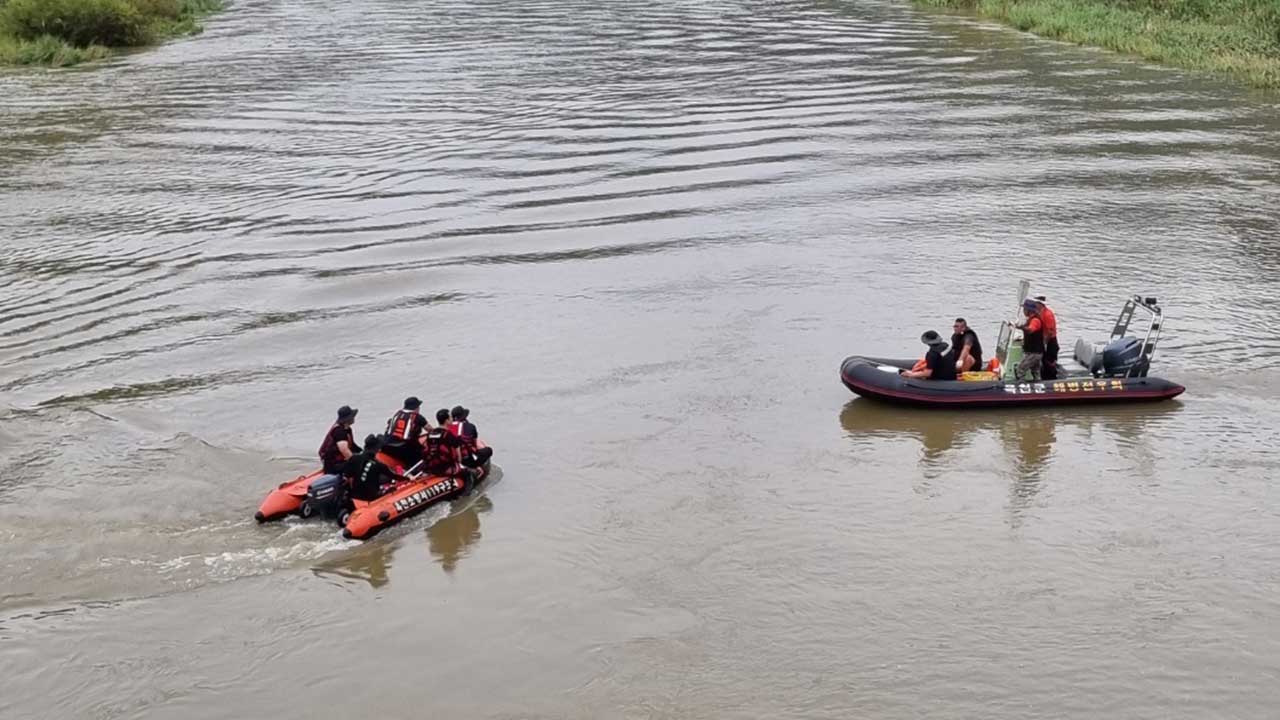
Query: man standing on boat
point(938, 363)
point(1032, 343)
point(965, 347)
point(1049, 369)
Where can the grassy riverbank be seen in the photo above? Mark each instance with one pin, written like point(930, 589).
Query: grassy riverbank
point(1239, 38)
point(67, 32)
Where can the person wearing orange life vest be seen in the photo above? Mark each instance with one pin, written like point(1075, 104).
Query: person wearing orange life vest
point(404, 433)
point(1049, 366)
point(473, 455)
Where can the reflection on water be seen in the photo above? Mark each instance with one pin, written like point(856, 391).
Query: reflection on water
point(452, 528)
point(370, 562)
point(449, 539)
point(1024, 437)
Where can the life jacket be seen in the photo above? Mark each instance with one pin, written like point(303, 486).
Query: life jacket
point(468, 444)
point(438, 453)
point(404, 425)
point(1050, 322)
point(1033, 342)
point(329, 454)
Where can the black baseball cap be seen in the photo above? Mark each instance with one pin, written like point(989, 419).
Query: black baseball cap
point(346, 412)
point(412, 403)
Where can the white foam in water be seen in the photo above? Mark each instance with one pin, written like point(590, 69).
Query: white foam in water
point(264, 560)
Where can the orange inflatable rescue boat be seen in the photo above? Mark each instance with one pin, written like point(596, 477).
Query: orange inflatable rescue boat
point(318, 494)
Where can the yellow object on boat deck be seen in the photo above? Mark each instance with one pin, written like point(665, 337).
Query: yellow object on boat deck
point(978, 376)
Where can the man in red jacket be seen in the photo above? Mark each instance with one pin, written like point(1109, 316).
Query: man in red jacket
point(1049, 368)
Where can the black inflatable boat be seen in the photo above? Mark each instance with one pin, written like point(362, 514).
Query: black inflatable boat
point(878, 378)
point(1112, 372)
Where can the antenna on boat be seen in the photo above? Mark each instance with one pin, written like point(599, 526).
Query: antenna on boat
point(1005, 340)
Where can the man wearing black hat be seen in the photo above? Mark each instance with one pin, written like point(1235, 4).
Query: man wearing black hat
point(404, 433)
point(339, 443)
point(938, 363)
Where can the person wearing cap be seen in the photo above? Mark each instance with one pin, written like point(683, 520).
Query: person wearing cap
point(339, 443)
point(938, 363)
point(966, 347)
point(366, 476)
point(472, 454)
point(1032, 342)
point(404, 433)
point(1049, 368)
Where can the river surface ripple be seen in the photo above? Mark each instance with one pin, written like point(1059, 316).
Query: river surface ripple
point(637, 240)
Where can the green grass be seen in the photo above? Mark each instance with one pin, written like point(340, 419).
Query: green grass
point(66, 32)
point(1236, 38)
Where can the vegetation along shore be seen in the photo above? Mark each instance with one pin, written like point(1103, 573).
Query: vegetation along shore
point(1237, 38)
point(67, 32)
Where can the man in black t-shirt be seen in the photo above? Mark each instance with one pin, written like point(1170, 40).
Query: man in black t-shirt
point(965, 347)
point(366, 473)
point(939, 364)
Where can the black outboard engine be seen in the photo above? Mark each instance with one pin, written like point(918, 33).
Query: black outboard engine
point(322, 497)
point(1121, 357)
point(1124, 355)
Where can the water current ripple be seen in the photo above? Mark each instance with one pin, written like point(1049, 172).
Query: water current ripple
point(636, 240)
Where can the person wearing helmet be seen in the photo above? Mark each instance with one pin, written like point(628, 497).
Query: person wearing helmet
point(938, 363)
point(1032, 343)
point(339, 443)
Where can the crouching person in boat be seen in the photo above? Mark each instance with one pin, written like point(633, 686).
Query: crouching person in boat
point(966, 348)
point(472, 454)
point(938, 363)
point(441, 449)
point(367, 478)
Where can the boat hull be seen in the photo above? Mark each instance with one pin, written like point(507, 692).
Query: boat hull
point(877, 378)
point(408, 498)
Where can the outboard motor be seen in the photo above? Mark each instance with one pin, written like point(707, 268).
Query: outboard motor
point(1121, 356)
point(322, 496)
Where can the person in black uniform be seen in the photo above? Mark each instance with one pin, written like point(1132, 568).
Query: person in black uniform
point(966, 347)
point(939, 364)
point(366, 474)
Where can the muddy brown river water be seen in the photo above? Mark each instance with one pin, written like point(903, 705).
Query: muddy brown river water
point(636, 240)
